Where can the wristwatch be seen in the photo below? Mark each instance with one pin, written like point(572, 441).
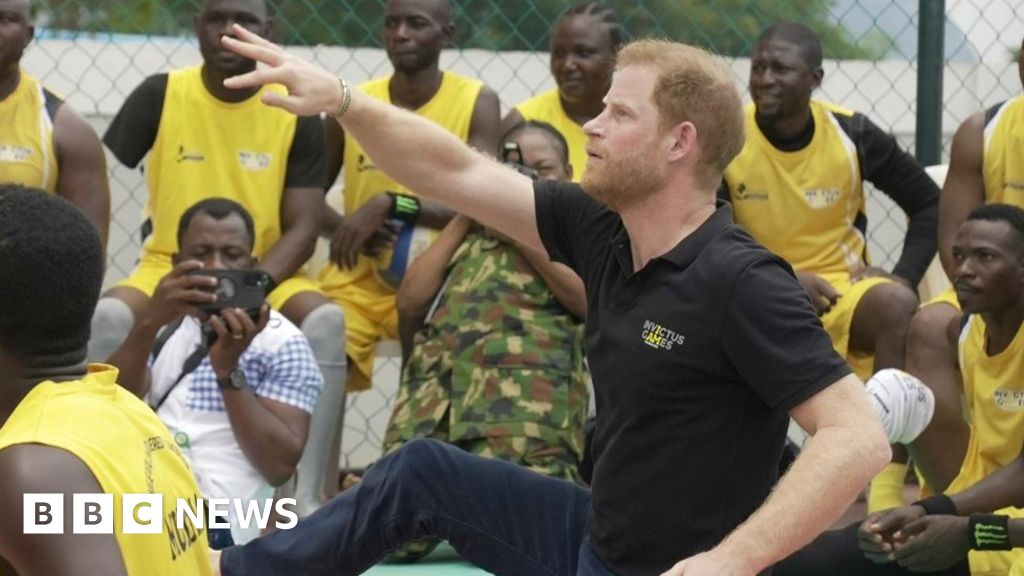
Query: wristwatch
point(234, 381)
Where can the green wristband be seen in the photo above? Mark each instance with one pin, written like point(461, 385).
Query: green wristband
point(989, 532)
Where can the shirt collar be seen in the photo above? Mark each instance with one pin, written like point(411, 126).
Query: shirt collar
point(683, 253)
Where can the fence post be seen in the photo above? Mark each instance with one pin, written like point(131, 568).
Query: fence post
point(930, 64)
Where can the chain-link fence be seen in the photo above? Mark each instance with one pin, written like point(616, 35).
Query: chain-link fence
point(96, 51)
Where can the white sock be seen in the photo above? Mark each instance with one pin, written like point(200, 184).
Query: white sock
point(903, 403)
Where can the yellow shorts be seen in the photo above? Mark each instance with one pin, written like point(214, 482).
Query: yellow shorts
point(370, 315)
point(1018, 566)
point(152, 267)
point(948, 296)
point(839, 320)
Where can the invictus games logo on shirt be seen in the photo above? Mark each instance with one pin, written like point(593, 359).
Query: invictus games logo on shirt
point(253, 160)
point(657, 336)
point(12, 153)
point(1009, 400)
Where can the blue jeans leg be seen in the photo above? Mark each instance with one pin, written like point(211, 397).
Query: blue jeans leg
point(499, 516)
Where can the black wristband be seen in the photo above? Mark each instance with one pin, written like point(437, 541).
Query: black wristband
point(938, 504)
point(404, 207)
point(989, 532)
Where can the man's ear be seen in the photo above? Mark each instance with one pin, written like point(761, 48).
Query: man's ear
point(684, 140)
point(819, 75)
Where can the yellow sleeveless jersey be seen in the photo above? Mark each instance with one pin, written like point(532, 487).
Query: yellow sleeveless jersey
point(129, 451)
point(1003, 160)
point(804, 205)
point(452, 109)
point(205, 148)
point(27, 152)
point(994, 389)
point(547, 107)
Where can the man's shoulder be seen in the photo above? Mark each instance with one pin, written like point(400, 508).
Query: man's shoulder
point(734, 250)
point(834, 109)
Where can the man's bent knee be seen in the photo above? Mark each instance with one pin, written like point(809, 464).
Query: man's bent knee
point(111, 322)
point(324, 327)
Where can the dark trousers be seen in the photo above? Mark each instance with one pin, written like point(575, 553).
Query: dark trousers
point(837, 553)
point(502, 518)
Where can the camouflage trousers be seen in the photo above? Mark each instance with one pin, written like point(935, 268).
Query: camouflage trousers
point(532, 453)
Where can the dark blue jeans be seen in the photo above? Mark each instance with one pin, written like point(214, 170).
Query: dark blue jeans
point(499, 516)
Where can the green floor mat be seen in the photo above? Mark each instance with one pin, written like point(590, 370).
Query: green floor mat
point(441, 562)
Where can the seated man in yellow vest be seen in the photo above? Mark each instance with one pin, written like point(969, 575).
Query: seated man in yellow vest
point(797, 187)
point(66, 428)
point(956, 533)
point(584, 42)
point(363, 273)
point(44, 143)
point(204, 141)
point(986, 164)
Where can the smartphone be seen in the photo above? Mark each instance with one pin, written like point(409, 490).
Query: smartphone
point(245, 289)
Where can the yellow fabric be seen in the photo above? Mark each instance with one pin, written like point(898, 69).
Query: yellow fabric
point(1002, 167)
point(27, 153)
point(547, 107)
point(802, 205)
point(368, 301)
point(994, 388)
point(948, 296)
point(152, 267)
point(886, 489)
point(205, 148)
point(1018, 567)
point(839, 320)
point(128, 450)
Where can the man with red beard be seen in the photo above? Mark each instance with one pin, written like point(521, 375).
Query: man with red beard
point(701, 344)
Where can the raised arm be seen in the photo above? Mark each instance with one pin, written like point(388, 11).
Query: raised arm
point(964, 188)
point(412, 150)
point(37, 468)
point(82, 177)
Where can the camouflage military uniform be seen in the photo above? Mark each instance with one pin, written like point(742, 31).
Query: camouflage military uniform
point(498, 369)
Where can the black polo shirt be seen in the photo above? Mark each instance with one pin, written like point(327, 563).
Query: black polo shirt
point(696, 361)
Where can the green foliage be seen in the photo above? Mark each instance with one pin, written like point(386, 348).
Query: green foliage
point(727, 26)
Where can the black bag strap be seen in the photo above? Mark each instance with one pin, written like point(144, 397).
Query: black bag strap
point(191, 363)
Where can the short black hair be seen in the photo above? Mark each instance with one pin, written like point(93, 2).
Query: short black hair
point(52, 262)
point(604, 14)
point(1012, 215)
point(218, 209)
point(557, 138)
point(798, 35)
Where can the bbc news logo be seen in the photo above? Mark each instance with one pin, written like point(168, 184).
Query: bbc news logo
point(144, 513)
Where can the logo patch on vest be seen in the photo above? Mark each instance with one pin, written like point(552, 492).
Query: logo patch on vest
point(819, 198)
point(254, 161)
point(12, 153)
point(744, 193)
point(189, 155)
point(1009, 400)
point(657, 336)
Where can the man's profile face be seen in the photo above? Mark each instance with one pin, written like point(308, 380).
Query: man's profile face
point(16, 32)
point(542, 154)
point(215, 19)
point(988, 266)
point(781, 81)
point(415, 32)
point(625, 163)
point(218, 244)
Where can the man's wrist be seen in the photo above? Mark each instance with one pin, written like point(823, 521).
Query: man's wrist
point(938, 504)
point(989, 532)
point(403, 207)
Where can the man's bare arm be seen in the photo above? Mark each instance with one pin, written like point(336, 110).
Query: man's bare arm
point(82, 176)
point(964, 188)
point(44, 469)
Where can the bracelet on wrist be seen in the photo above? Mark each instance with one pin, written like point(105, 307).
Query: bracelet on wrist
point(404, 207)
point(938, 504)
point(989, 532)
point(346, 98)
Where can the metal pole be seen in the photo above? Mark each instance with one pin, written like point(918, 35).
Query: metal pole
point(930, 63)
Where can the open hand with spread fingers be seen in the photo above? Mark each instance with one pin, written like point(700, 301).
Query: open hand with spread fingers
point(311, 89)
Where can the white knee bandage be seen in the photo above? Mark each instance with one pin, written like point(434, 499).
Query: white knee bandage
point(904, 404)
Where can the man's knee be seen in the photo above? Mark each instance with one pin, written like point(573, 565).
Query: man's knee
point(927, 331)
point(324, 327)
point(111, 322)
point(890, 306)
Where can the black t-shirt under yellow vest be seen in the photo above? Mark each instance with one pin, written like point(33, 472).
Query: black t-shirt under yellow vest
point(808, 204)
point(696, 361)
point(201, 147)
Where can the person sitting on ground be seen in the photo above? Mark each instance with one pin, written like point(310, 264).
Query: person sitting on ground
point(497, 365)
point(941, 533)
point(45, 143)
point(986, 165)
point(797, 186)
point(584, 42)
point(239, 409)
point(66, 428)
